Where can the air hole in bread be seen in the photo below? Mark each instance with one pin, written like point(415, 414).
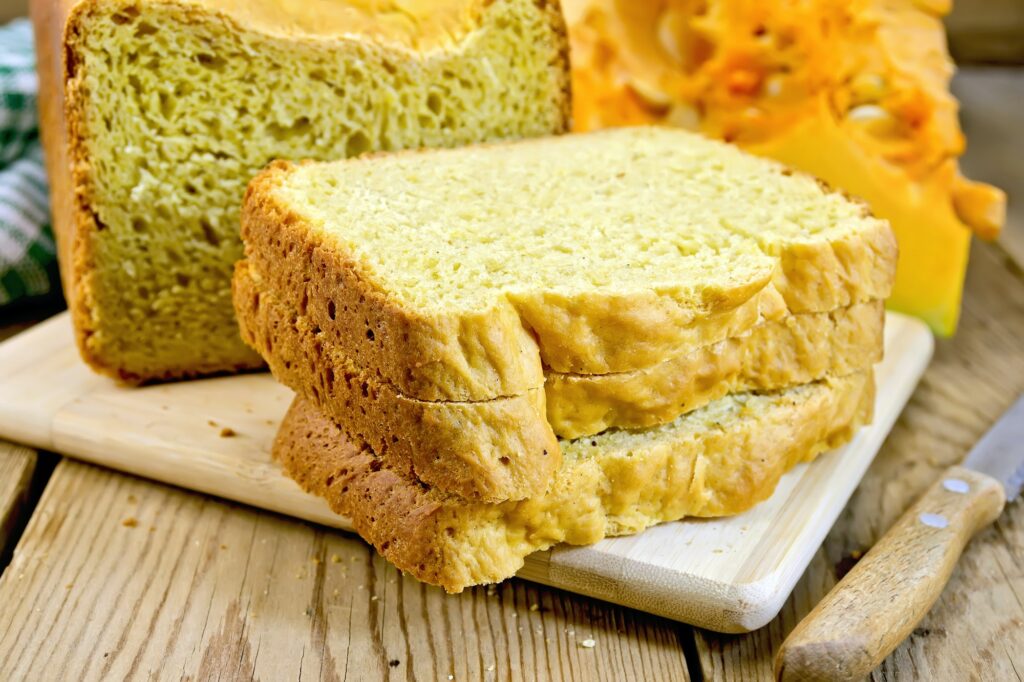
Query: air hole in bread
point(358, 143)
point(209, 233)
point(144, 29)
point(211, 61)
point(126, 16)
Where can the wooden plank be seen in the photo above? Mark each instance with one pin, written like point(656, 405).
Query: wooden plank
point(976, 630)
point(17, 464)
point(727, 574)
point(119, 578)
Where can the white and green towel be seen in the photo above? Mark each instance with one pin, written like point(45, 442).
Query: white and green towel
point(28, 264)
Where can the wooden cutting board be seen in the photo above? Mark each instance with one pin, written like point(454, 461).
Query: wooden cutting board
point(214, 436)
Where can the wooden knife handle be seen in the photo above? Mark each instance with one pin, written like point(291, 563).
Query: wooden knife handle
point(880, 601)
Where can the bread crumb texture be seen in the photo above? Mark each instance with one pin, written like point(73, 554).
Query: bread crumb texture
point(173, 107)
point(719, 460)
point(635, 210)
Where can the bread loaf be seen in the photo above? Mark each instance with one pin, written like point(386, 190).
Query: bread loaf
point(156, 113)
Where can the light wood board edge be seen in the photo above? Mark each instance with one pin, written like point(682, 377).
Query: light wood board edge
point(28, 418)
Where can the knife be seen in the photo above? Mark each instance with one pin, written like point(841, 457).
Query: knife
point(880, 601)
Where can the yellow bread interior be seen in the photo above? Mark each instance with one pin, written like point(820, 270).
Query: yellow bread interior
point(853, 91)
point(719, 460)
point(631, 210)
point(173, 105)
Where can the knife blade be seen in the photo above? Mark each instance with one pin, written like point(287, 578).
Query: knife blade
point(1000, 452)
point(883, 598)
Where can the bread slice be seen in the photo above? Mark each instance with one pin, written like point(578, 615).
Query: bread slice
point(502, 449)
point(488, 450)
point(173, 105)
point(719, 460)
point(774, 355)
point(462, 274)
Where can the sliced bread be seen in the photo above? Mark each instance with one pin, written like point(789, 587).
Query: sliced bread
point(775, 354)
point(488, 450)
point(156, 113)
point(719, 460)
point(501, 449)
point(462, 274)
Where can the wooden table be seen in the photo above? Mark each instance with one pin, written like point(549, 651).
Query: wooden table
point(115, 577)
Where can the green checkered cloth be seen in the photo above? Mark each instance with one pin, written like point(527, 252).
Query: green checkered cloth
point(28, 262)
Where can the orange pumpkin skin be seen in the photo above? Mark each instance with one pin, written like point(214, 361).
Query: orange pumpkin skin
point(853, 91)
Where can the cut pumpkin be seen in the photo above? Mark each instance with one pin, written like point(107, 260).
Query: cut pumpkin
point(853, 91)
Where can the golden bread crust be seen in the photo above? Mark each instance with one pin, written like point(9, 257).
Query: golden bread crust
point(774, 355)
point(394, 508)
point(493, 451)
point(698, 467)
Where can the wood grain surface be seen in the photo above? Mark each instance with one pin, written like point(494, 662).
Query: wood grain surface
point(17, 464)
point(120, 578)
point(976, 629)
